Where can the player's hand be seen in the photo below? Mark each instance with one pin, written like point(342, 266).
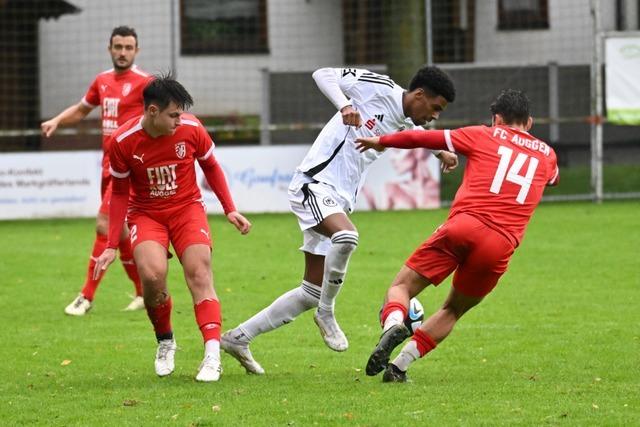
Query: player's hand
point(240, 222)
point(363, 144)
point(103, 262)
point(49, 127)
point(449, 161)
point(350, 116)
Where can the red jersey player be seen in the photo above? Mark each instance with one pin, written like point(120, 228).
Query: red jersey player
point(154, 155)
point(506, 172)
point(118, 92)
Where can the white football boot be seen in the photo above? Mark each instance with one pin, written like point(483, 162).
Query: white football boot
point(240, 351)
point(210, 369)
point(78, 307)
point(137, 303)
point(330, 331)
point(165, 354)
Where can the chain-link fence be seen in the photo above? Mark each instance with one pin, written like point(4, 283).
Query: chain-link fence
point(248, 64)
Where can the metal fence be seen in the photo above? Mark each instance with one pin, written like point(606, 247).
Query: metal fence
point(248, 64)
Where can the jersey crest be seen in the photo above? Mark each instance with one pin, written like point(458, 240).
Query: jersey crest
point(126, 89)
point(181, 150)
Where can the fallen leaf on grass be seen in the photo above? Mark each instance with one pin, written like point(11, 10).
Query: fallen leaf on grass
point(215, 408)
point(65, 362)
point(130, 402)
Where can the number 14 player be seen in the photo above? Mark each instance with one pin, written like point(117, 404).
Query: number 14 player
point(506, 172)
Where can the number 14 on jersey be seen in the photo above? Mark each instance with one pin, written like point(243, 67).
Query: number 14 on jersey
point(512, 174)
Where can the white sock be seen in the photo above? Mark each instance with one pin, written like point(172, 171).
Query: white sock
point(396, 317)
point(282, 311)
point(408, 354)
point(343, 243)
point(212, 347)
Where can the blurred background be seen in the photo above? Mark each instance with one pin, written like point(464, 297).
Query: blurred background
point(248, 64)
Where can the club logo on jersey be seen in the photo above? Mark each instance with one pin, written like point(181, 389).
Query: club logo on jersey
point(181, 150)
point(162, 181)
point(328, 201)
point(126, 89)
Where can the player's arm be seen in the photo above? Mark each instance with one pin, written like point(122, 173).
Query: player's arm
point(555, 172)
point(117, 215)
point(408, 139)
point(328, 81)
point(214, 175)
point(448, 159)
point(69, 116)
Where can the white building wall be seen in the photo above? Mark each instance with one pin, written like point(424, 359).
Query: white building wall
point(568, 40)
point(303, 35)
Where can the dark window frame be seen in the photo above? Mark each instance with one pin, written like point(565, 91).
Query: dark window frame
point(523, 19)
point(190, 45)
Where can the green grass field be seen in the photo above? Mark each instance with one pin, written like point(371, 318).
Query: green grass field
point(557, 343)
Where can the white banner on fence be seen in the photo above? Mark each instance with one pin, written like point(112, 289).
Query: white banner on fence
point(259, 178)
point(623, 80)
point(57, 184)
point(49, 184)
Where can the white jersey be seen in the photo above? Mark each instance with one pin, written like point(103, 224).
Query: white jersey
point(333, 158)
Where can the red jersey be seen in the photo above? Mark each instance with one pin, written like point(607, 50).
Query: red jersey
point(161, 170)
point(505, 175)
point(120, 97)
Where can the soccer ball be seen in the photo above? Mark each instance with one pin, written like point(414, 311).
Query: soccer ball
point(415, 315)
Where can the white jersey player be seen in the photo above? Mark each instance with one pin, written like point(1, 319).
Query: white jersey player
point(324, 189)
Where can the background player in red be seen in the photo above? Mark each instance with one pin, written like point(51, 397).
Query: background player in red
point(506, 172)
point(118, 92)
point(154, 155)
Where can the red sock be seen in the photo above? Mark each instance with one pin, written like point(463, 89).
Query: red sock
point(160, 317)
point(126, 257)
point(424, 342)
point(90, 285)
point(390, 307)
point(208, 319)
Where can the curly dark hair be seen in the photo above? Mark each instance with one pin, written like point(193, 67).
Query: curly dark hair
point(163, 90)
point(434, 81)
point(513, 105)
point(123, 31)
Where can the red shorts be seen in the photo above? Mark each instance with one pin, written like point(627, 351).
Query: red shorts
point(478, 254)
point(182, 226)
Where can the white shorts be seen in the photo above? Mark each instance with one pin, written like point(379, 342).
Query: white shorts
point(312, 202)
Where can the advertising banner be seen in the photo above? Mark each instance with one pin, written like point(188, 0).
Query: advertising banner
point(67, 184)
point(623, 80)
point(50, 184)
point(259, 178)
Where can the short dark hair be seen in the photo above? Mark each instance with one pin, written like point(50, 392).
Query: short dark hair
point(435, 81)
point(123, 31)
point(513, 105)
point(163, 90)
